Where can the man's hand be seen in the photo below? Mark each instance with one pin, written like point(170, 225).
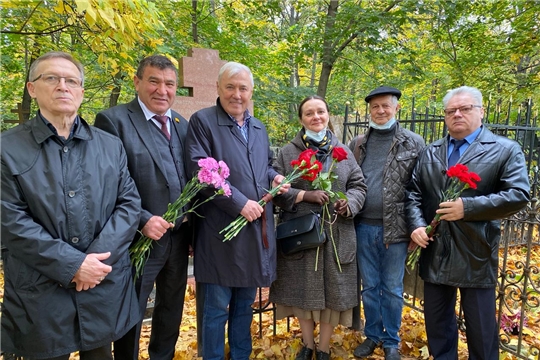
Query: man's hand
point(412, 246)
point(252, 210)
point(341, 206)
point(277, 180)
point(451, 210)
point(92, 271)
point(316, 197)
point(155, 227)
point(420, 238)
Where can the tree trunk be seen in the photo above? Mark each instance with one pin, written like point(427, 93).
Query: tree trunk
point(313, 71)
point(115, 93)
point(328, 57)
point(26, 103)
point(194, 30)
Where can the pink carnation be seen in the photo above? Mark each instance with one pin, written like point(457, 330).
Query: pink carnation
point(226, 189)
point(208, 163)
point(205, 176)
point(223, 169)
point(217, 180)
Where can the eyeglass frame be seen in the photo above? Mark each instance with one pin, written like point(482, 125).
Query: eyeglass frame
point(76, 86)
point(461, 109)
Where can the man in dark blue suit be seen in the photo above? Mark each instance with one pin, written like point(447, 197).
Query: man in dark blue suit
point(230, 272)
point(154, 136)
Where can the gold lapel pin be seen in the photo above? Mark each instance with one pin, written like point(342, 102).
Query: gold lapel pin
point(177, 119)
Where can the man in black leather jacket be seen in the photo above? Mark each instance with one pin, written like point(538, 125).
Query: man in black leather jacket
point(463, 252)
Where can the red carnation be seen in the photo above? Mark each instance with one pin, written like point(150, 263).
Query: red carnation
point(339, 154)
point(460, 179)
point(314, 170)
point(307, 155)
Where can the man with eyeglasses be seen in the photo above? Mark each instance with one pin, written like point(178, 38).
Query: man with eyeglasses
point(69, 212)
point(463, 252)
point(154, 138)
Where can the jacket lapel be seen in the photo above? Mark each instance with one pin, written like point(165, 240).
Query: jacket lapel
point(254, 134)
point(223, 120)
point(479, 146)
point(176, 128)
point(143, 129)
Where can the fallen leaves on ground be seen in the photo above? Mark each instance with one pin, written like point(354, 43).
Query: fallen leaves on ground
point(287, 339)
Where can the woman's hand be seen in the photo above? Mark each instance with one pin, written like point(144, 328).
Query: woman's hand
point(318, 197)
point(341, 207)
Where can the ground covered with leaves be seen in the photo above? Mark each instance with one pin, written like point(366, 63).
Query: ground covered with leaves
point(287, 339)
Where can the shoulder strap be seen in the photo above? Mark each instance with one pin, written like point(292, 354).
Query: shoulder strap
point(356, 151)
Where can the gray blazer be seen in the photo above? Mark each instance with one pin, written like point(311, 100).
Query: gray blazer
point(127, 121)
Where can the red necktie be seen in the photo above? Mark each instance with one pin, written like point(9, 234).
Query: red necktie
point(163, 121)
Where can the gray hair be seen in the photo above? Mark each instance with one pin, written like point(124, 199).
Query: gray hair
point(233, 68)
point(473, 92)
point(54, 55)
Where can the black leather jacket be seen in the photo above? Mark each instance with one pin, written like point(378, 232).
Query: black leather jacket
point(464, 253)
point(404, 151)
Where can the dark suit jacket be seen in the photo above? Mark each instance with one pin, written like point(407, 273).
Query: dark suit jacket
point(127, 121)
point(243, 261)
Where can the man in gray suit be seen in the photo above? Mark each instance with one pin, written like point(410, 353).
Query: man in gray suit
point(154, 136)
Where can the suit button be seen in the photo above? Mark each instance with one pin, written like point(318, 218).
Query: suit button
point(74, 240)
point(65, 149)
point(71, 193)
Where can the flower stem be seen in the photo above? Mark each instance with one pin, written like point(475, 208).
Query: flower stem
point(326, 211)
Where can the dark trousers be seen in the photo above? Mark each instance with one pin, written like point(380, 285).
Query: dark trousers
point(101, 353)
point(480, 320)
point(169, 273)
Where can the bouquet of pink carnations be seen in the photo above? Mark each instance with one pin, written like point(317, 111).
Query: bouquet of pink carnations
point(211, 173)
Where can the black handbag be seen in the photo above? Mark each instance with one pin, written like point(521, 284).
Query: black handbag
point(301, 233)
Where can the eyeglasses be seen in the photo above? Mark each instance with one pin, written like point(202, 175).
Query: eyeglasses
point(464, 110)
point(54, 80)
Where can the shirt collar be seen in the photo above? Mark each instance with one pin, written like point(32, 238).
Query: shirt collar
point(471, 137)
point(247, 117)
point(149, 114)
point(53, 129)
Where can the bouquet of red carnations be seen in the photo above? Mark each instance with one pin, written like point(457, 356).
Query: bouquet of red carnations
point(461, 179)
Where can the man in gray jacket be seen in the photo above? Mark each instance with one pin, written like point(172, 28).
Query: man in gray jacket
point(387, 154)
point(463, 252)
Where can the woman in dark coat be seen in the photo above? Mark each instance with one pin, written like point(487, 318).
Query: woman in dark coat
point(326, 295)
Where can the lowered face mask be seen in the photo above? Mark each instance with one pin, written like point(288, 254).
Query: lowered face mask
point(317, 136)
point(386, 126)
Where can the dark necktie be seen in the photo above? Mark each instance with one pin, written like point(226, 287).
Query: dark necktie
point(163, 121)
point(454, 156)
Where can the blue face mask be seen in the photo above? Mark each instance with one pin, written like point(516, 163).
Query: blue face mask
point(386, 126)
point(317, 136)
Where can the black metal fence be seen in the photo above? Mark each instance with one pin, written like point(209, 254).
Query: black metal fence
point(518, 291)
point(514, 121)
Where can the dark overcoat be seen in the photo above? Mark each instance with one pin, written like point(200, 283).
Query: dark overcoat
point(464, 253)
point(243, 261)
point(298, 283)
point(60, 202)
